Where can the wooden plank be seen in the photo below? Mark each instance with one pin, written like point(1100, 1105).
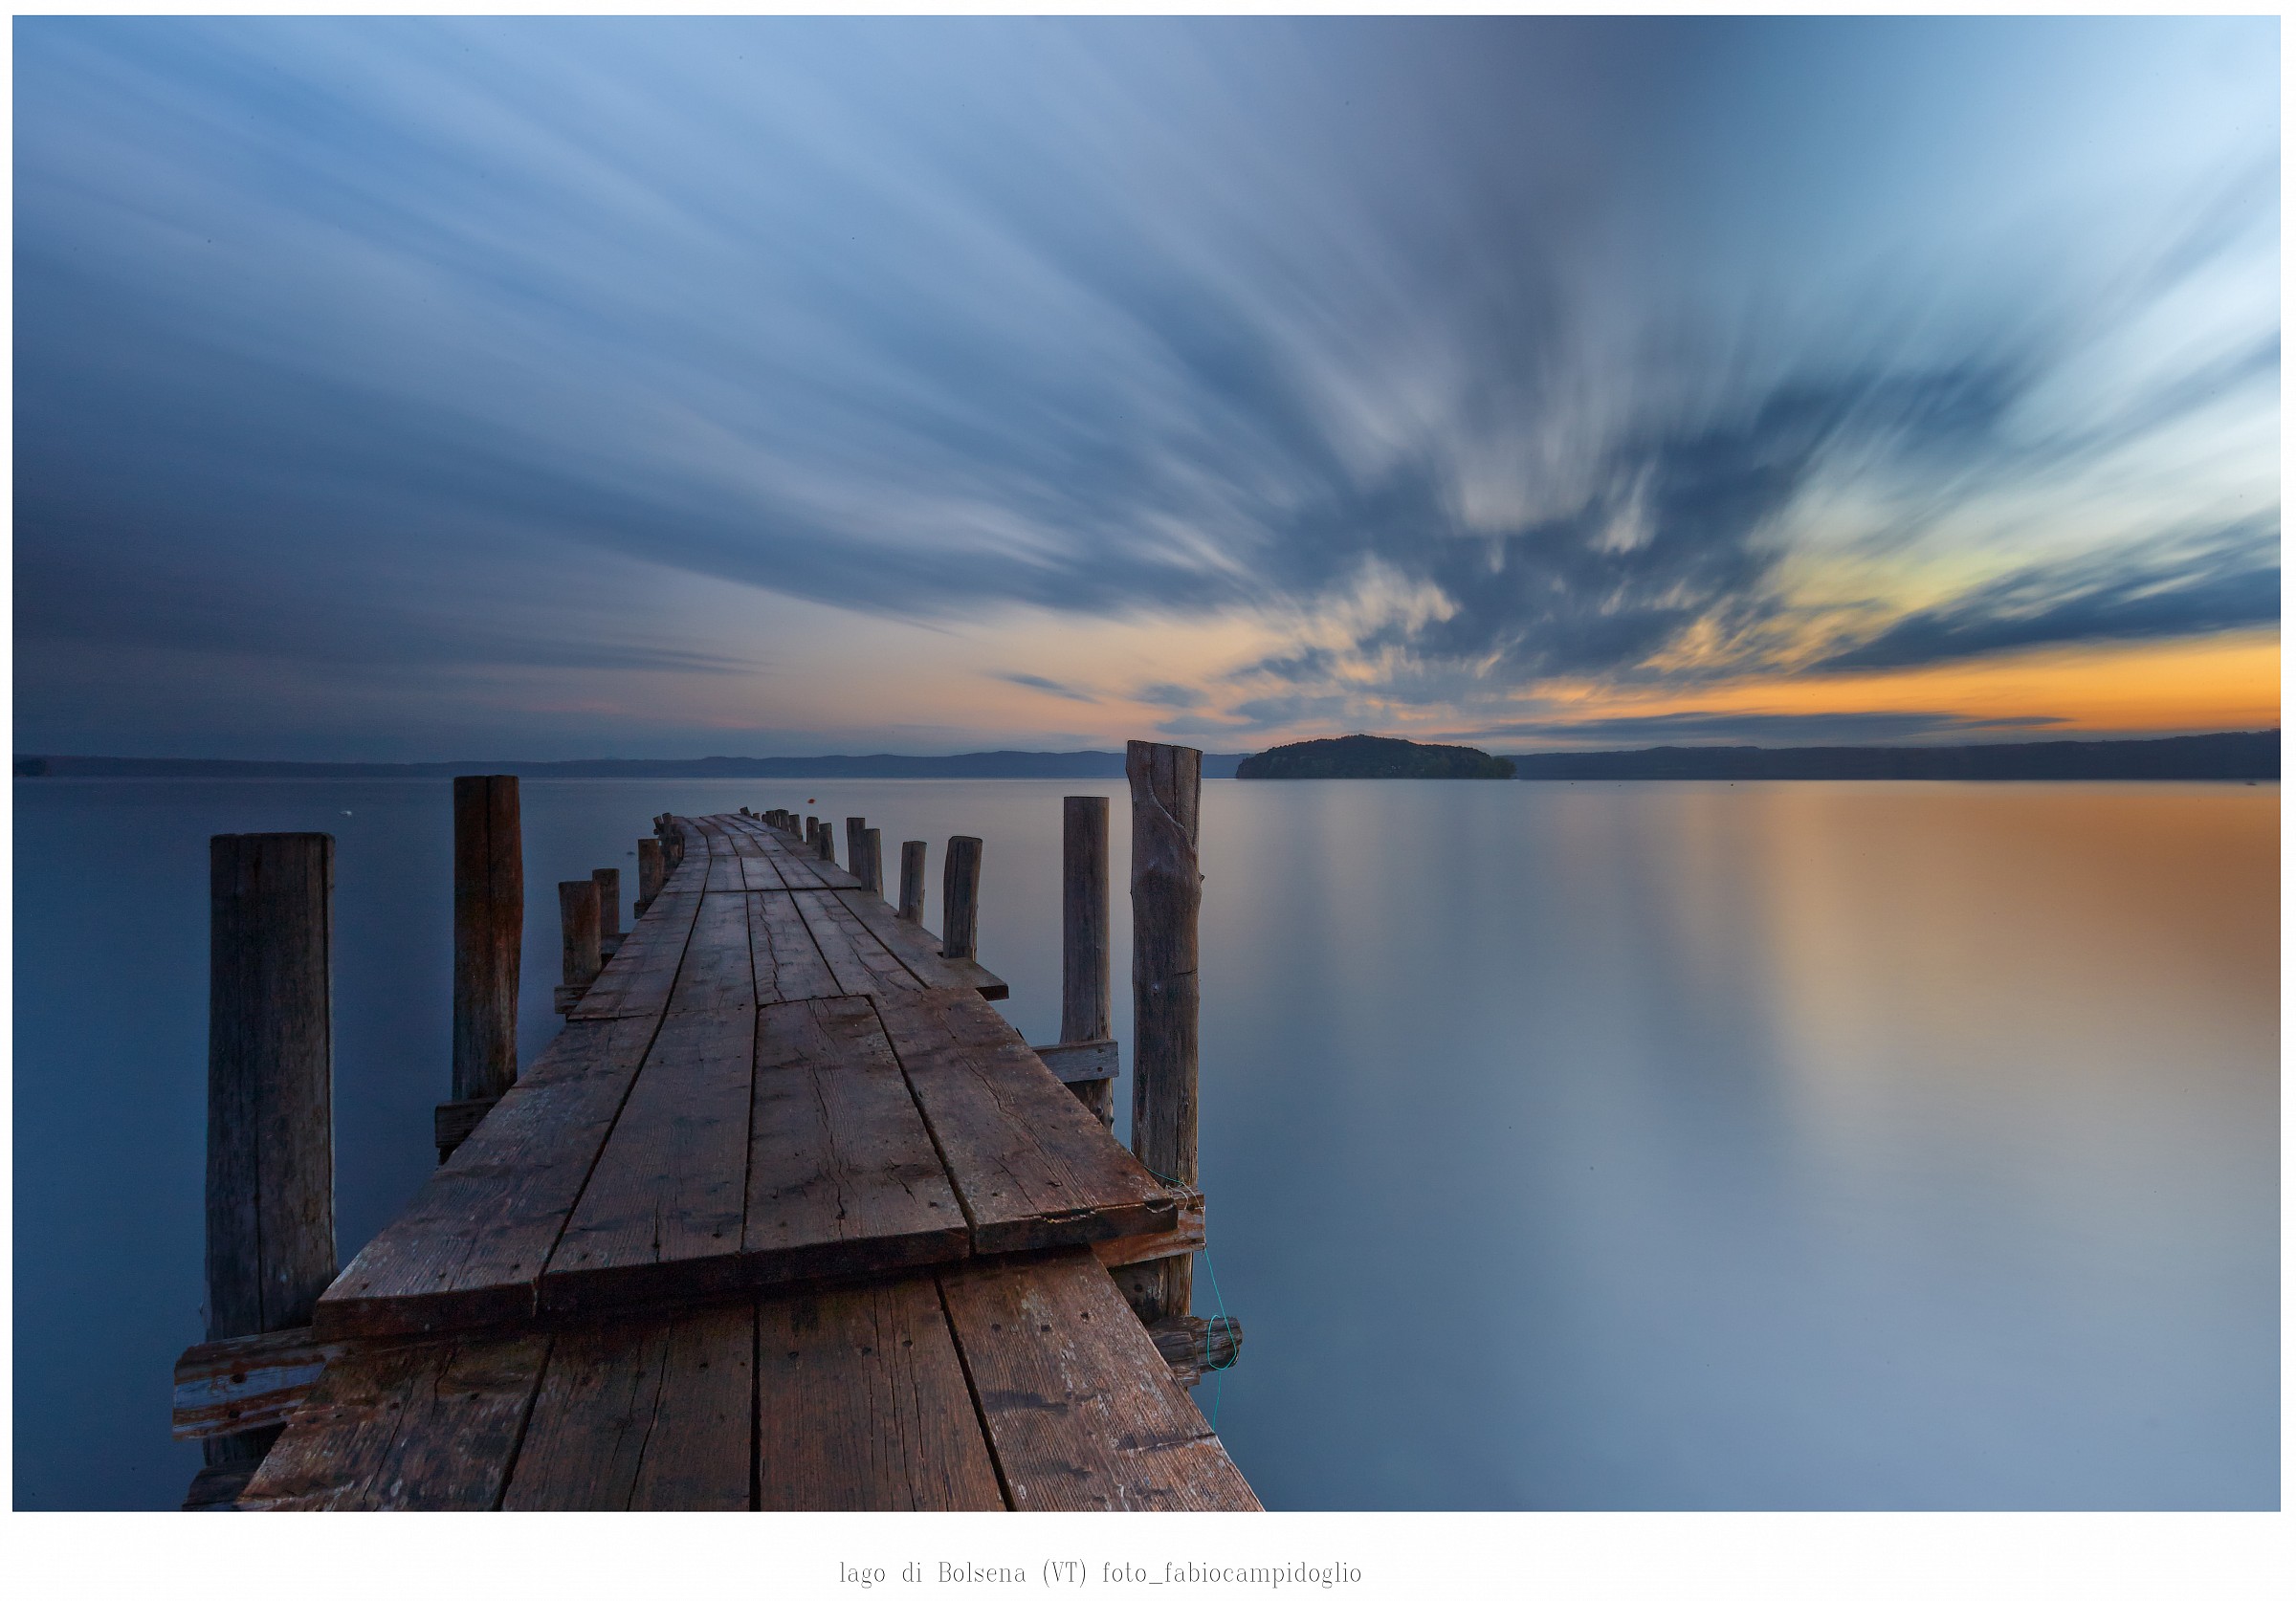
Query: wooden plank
point(784, 958)
point(1184, 1239)
point(429, 1426)
point(1193, 1347)
point(1080, 1061)
point(843, 1174)
point(716, 973)
point(228, 1387)
point(471, 1248)
point(1082, 1412)
point(642, 1415)
point(661, 1215)
point(757, 859)
point(1031, 1165)
point(862, 1407)
point(799, 868)
point(638, 980)
point(858, 958)
point(918, 950)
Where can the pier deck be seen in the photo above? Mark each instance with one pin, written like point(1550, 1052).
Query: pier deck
point(789, 1217)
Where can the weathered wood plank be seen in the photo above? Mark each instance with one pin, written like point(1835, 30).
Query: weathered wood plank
point(1185, 1238)
point(787, 962)
point(662, 1212)
point(469, 1250)
point(859, 960)
point(716, 973)
point(1082, 1410)
point(226, 1387)
point(862, 1407)
point(799, 868)
point(430, 1426)
point(638, 980)
point(1031, 1167)
point(920, 951)
point(1193, 1347)
point(1080, 1061)
point(843, 1174)
point(638, 1414)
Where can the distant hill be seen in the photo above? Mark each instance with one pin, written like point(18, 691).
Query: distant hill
point(976, 764)
point(1364, 756)
point(2197, 756)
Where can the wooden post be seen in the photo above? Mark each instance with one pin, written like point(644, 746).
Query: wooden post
point(1083, 986)
point(913, 880)
point(1166, 892)
point(578, 938)
point(825, 843)
point(650, 874)
point(961, 896)
point(271, 1138)
point(609, 904)
point(871, 871)
point(490, 924)
point(856, 847)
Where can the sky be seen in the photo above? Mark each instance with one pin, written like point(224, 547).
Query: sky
point(532, 389)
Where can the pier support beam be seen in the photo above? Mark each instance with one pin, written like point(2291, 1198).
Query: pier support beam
point(1084, 980)
point(490, 926)
point(270, 1142)
point(578, 939)
point(913, 880)
point(650, 875)
point(871, 869)
point(961, 896)
point(1166, 894)
point(610, 908)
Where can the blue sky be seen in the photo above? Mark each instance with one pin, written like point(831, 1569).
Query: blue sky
point(444, 388)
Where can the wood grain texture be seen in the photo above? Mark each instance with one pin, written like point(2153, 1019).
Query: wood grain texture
point(1167, 892)
point(642, 1415)
point(490, 923)
point(637, 982)
point(1031, 1167)
point(430, 1426)
point(785, 962)
point(858, 959)
point(578, 931)
point(716, 973)
point(1082, 1410)
point(913, 881)
point(610, 902)
point(842, 1173)
point(1084, 983)
point(961, 896)
point(469, 1250)
point(918, 950)
point(862, 1407)
point(226, 1387)
point(650, 873)
point(661, 1216)
point(270, 1152)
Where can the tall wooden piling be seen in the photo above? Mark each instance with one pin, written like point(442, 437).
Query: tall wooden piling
point(1084, 980)
point(871, 869)
point(961, 896)
point(650, 875)
point(578, 939)
point(913, 880)
point(490, 924)
point(271, 1146)
point(609, 904)
point(1166, 892)
point(856, 846)
point(825, 843)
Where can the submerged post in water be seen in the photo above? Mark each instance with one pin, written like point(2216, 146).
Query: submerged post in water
point(1084, 979)
point(270, 1142)
point(490, 924)
point(1166, 894)
point(913, 880)
point(961, 896)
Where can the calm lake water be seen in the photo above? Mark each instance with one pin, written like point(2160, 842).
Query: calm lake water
point(1590, 1146)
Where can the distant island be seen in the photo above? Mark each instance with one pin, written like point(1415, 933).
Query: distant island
point(2254, 757)
point(974, 764)
point(1364, 756)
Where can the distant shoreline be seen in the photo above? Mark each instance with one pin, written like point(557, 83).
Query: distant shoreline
point(2252, 757)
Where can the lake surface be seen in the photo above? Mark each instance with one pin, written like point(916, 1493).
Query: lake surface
point(1588, 1146)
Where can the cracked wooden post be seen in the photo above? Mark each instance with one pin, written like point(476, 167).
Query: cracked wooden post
point(825, 843)
point(913, 880)
point(650, 875)
point(609, 907)
point(860, 855)
point(1084, 980)
point(270, 1136)
point(961, 896)
point(578, 939)
point(1166, 894)
point(490, 927)
point(871, 871)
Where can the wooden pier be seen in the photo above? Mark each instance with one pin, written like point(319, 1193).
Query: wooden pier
point(788, 1217)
